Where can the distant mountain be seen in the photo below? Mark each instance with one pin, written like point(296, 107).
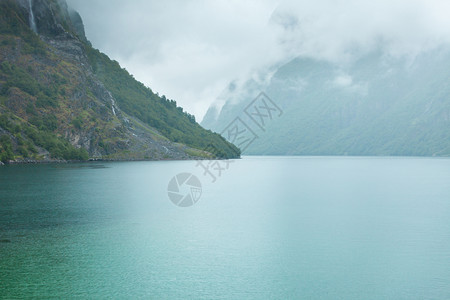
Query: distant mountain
point(62, 99)
point(376, 105)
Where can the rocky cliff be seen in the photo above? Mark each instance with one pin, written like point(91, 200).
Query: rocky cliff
point(62, 99)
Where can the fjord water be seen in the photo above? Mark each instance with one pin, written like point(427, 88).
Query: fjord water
point(268, 228)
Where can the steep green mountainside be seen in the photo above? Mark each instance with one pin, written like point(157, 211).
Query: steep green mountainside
point(163, 114)
point(62, 99)
point(376, 105)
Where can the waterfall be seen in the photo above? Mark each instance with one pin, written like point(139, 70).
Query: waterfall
point(32, 22)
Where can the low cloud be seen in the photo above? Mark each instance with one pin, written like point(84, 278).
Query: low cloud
point(191, 50)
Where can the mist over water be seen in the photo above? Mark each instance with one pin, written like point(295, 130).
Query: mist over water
point(367, 80)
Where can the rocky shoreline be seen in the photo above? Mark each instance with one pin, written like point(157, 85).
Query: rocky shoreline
point(61, 161)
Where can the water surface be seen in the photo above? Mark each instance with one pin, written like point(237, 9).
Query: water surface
point(268, 228)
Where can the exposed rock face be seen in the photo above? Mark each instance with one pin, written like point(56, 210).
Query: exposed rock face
point(77, 23)
point(69, 98)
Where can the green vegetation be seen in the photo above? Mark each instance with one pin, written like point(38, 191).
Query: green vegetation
point(18, 77)
point(139, 101)
point(6, 152)
point(40, 98)
point(26, 136)
point(47, 98)
point(14, 24)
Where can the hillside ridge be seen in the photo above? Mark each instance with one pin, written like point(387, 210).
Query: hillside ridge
point(61, 99)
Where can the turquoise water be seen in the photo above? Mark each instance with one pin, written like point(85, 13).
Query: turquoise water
point(268, 228)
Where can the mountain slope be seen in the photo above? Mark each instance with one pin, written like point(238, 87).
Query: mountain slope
point(377, 105)
point(62, 99)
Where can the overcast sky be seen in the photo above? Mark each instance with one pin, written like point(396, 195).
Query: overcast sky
point(191, 50)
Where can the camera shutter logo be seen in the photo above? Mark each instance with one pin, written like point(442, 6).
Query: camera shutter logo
point(184, 189)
